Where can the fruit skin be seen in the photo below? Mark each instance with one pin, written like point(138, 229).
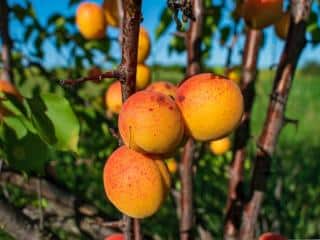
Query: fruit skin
point(282, 26)
point(211, 105)
point(151, 122)
point(111, 12)
point(221, 146)
point(90, 20)
point(113, 98)
point(144, 45)
point(235, 75)
point(272, 236)
point(166, 88)
point(172, 165)
point(8, 88)
point(134, 183)
point(259, 14)
point(143, 76)
point(116, 236)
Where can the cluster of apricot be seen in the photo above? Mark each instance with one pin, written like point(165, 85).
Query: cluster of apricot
point(259, 14)
point(153, 123)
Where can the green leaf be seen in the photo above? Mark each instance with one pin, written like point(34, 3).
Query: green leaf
point(15, 123)
point(27, 154)
point(64, 120)
point(165, 22)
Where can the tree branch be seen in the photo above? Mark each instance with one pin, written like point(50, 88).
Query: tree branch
point(300, 10)
point(236, 199)
point(6, 41)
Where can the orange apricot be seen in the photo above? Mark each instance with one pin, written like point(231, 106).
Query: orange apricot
point(282, 26)
point(259, 14)
point(211, 105)
point(134, 182)
point(220, 146)
point(90, 20)
point(166, 88)
point(172, 165)
point(116, 236)
point(143, 76)
point(9, 88)
point(113, 98)
point(144, 45)
point(151, 122)
point(272, 236)
point(110, 8)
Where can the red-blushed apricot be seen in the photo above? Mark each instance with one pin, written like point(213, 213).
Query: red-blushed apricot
point(116, 236)
point(272, 236)
point(113, 98)
point(143, 76)
point(151, 122)
point(259, 14)
point(90, 20)
point(166, 88)
point(134, 183)
point(220, 146)
point(282, 26)
point(144, 45)
point(211, 105)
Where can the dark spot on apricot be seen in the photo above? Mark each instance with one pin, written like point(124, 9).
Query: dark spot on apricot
point(171, 108)
point(150, 109)
point(181, 98)
point(167, 86)
point(160, 99)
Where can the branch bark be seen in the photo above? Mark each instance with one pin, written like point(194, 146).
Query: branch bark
point(236, 199)
point(6, 41)
point(300, 10)
point(193, 44)
point(129, 41)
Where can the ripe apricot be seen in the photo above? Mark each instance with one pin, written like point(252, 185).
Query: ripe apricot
point(259, 14)
point(151, 122)
point(172, 165)
point(144, 45)
point(211, 105)
point(90, 20)
point(166, 88)
point(113, 98)
point(282, 26)
point(221, 146)
point(110, 8)
point(116, 236)
point(272, 236)
point(143, 76)
point(235, 75)
point(134, 183)
point(7, 87)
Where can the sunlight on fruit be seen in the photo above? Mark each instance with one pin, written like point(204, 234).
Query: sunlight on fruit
point(110, 8)
point(144, 45)
point(172, 165)
point(211, 105)
point(135, 183)
point(90, 20)
point(166, 88)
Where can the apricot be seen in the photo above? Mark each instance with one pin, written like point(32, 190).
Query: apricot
point(9, 88)
point(259, 14)
point(90, 20)
point(211, 105)
point(113, 98)
point(172, 165)
point(144, 45)
point(116, 236)
point(235, 75)
point(272, 236)
point(111, 12)
point(135, 183)
point(221, 146)
point(166, 88)
point(143, 76)
point(282, 26)
point(151, 122)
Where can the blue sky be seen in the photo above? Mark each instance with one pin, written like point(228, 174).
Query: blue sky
point(151, 12)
